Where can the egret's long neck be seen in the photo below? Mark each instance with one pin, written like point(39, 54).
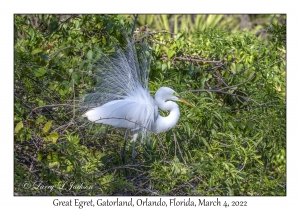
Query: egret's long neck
point(163, 124)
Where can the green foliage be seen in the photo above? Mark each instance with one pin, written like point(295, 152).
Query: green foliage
point(231, 142)
point(191, 23)
point(200, 22)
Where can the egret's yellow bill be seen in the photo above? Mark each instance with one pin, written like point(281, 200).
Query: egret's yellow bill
point(184, 101)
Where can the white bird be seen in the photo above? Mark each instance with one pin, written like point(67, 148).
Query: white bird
point(139, 111)
point(123, 95)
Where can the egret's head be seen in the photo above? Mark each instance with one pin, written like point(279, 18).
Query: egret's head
point(167, 94)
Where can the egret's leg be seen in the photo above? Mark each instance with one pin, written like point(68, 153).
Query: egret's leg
point(133, 156)
point(133, 149)
point(124, 149)
point(124, 146)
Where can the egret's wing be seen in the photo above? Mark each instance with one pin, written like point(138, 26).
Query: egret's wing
point(137, 112)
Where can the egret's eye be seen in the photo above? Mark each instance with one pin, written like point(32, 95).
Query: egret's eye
point(175, 94)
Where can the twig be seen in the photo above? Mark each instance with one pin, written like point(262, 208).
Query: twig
point(264, 37)
point(58, 51)
point(230, 87)
point(52, 105)
point(176, 143)
point(197, 60)
point(132, 30)
point(73, 100)
point(273, 64)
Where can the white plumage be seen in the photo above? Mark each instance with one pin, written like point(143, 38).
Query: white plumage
point(122, 89)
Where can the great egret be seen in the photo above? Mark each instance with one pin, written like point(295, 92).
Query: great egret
point(139, 111)
point(123, 95)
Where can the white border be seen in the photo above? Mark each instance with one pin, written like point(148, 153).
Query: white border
point(8, 8)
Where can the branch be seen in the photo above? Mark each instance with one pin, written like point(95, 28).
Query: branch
point(176, 144)
point(50, 107)
point(223, 92)
point(121, 118)
point(59, 50)
point(195, 59)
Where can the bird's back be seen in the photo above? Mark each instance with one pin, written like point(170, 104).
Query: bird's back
point(138, 112)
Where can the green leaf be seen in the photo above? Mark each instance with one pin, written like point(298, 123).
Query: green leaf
point(75, 77)
point(36, 50)
point(40, 119)
point(112, 50)
point(89, 55)
point(94, 40)
point(202, 82)
point(205, 142)
point(250, 125)
point(40, 72)
point(217, 115)
point(40, 156)
point(233, 68)
point(164, 66)
point(231, 126)
point(242, 125)
point(18, 126)
point(47, 127)
point(69, 168)
point(239, 67)
point(52, 137)
point(31, 34)
point(257, 159)
point(211, 182)
point(103, 40)
point(53, 164)
point(170, 53)
point(41, 103)
point(76, 24)
point(153, 144)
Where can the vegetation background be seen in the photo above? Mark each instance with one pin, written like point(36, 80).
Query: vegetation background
point(232, 142)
